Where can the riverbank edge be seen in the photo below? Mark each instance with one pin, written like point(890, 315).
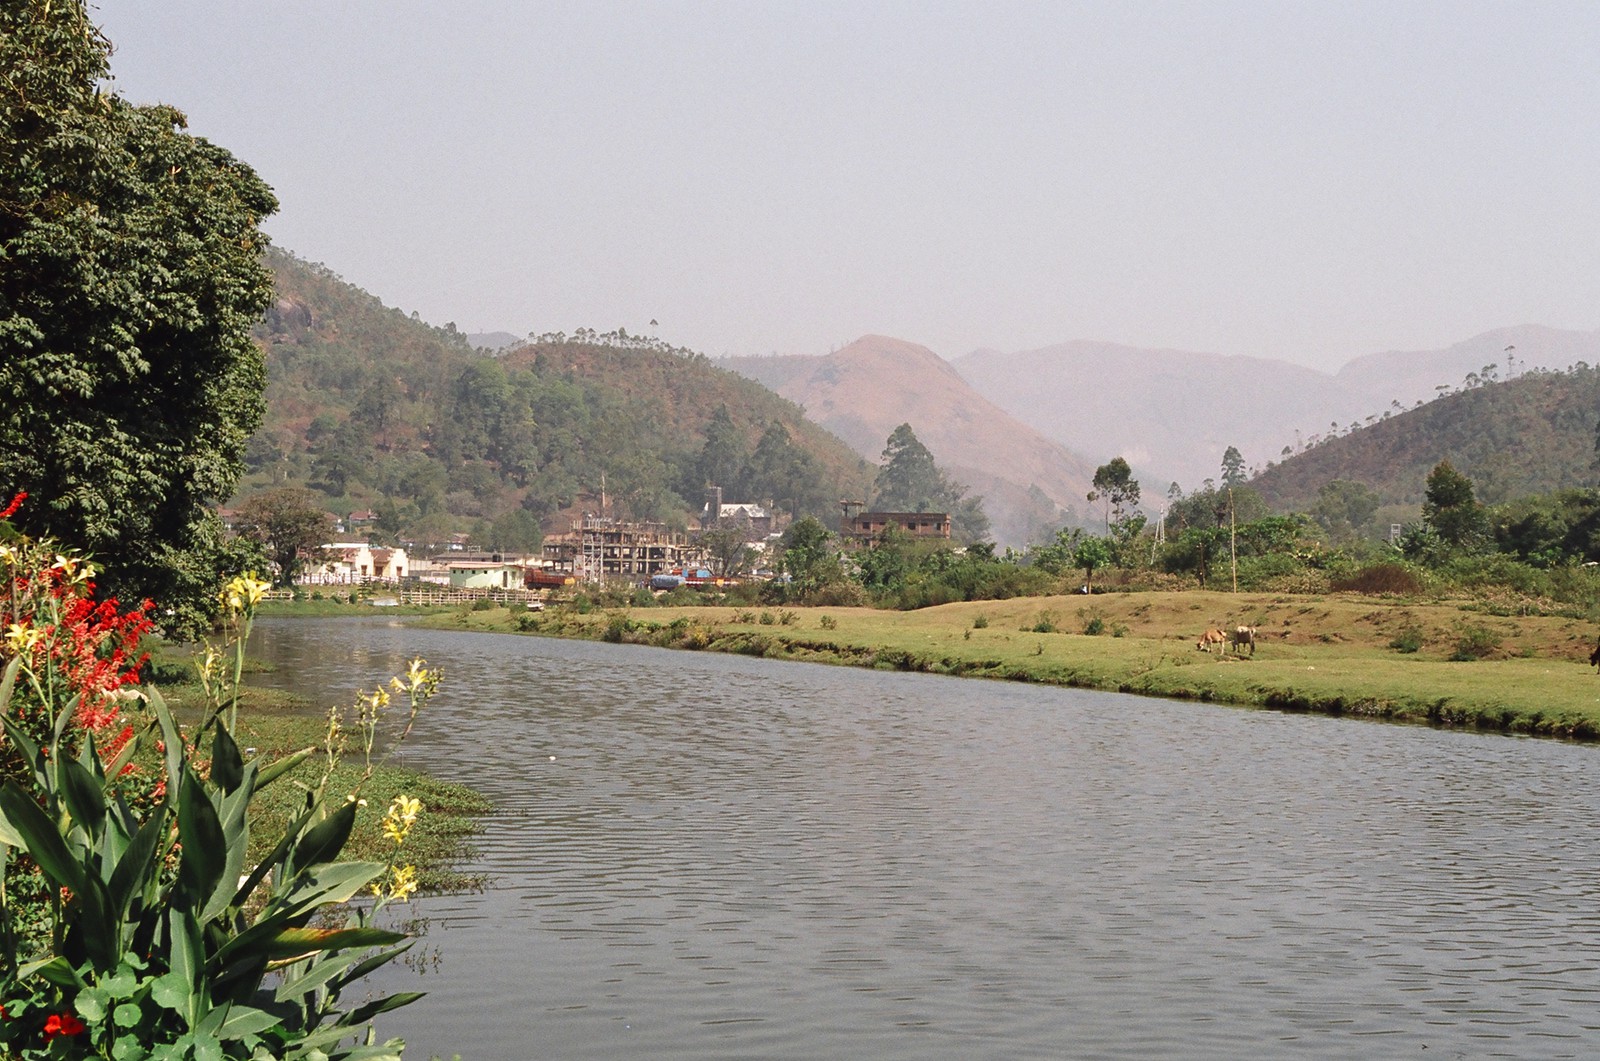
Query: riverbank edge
point(1091, 670)
point(274, 724)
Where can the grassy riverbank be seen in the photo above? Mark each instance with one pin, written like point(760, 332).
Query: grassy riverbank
point(276, 724)
point(1443, 662)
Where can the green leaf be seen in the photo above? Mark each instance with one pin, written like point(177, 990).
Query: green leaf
point(25, 744)
point(8, 682)
point(271, 773)
point(83, 795)
point(373, 961)
point(127, 1015)
point(204, 847)
point(227, 765)
point(127, 1048)
point(170, 738)
point(292, 942)
point(323, 842)
point(91, 1004)
point(55, 970)
point(138, 862)
point(121, 984)
point(247, 1020)
point(170, 991)
point(324, 970)
point(365, 1013)
point(39, 836)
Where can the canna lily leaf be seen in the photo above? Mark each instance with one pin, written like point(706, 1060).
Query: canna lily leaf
point(326, 839)
point(383, 1005)
point(227, 765)
point(276, 770)
point(200, 831)
point(84, 796)
point(292, 942)
point(133, 870)
point(56, 970)
point(39, 836)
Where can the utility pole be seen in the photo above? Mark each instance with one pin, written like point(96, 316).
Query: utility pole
point(1233, 541)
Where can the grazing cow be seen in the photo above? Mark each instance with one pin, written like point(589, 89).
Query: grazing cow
point(1246, 635)
point(1220, 639)
point(1594, 657)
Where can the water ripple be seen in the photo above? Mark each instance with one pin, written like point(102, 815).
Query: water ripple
point(735, 858)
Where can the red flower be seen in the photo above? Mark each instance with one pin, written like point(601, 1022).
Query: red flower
point(61, 1024)
point(16, 503)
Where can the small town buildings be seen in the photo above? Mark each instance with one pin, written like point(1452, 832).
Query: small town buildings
point(360, 562)
point(484, 574)
point(865, 526)
point(756, 519)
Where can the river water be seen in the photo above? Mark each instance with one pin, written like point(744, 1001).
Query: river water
point(700, 856)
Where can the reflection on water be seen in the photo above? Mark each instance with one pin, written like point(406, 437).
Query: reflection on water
point(701, 856)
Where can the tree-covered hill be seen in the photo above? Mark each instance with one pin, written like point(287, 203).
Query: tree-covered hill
point(381, 411)
point(1529, 435)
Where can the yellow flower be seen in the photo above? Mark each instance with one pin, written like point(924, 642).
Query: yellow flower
point(21, 638)
point(418, 678)
point(243, 593)
point(400, 817)
point(403, 883)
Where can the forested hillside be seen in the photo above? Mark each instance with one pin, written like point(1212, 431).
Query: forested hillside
point(378, 410)
point(1529, 435)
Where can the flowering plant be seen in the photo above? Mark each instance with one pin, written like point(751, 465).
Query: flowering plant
point(161, 941)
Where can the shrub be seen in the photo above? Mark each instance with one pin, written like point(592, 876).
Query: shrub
point(172, 944)
point(1474, 642)
point(1407, 640)
point(828, 622)
point(484, 604)
point(980, 622)
point(1095, 626)
point(1391, 578)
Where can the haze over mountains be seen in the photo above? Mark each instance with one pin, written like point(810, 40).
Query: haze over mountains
point(1171, 413)
point(865, 390)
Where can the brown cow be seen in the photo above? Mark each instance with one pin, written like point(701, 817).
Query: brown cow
point(1594, 657)
point(1220, 639)
point(1246, 635)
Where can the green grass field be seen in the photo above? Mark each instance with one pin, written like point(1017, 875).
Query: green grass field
point(1336, 653)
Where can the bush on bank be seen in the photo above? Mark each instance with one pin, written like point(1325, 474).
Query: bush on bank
point(135, 920)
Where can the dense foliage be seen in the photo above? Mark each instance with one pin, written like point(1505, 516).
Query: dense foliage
point(374, 409)
point(1533, 434)
point(131, 281)
point(134, 922)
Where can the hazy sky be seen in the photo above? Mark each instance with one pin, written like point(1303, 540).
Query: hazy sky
point(1310, 181)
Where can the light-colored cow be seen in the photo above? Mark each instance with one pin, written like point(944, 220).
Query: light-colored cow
point(1242, 636)
point(1212, 637)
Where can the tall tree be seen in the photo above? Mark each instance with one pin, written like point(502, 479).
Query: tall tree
point(910, 481)
point(1451, 509)
point(1233, 473)
point(290, 524)
point(1114, 483)
point(721, 458)
point(132, 278)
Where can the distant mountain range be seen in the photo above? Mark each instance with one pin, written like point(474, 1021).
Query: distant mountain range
point(862, 392)
point(1172, 413)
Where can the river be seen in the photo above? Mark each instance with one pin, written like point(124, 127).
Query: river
point(700, 856)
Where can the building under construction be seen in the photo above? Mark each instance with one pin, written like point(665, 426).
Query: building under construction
point(600, 547)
